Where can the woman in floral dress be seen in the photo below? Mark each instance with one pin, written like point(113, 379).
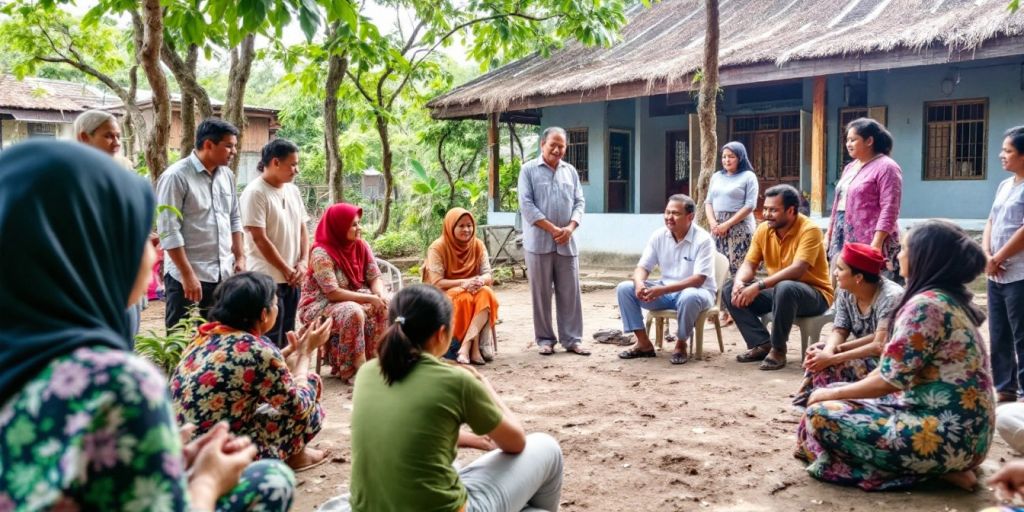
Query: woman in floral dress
point(86, 424)
point(864, 305)
point(344, 283)
point(233, 373)
point(928, 410)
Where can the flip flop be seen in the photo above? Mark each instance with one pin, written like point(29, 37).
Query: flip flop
point(578, 350)
point(678, 358)
point(327, 457)
point(634, 354)
point(477, 362)
point(769, 364)
point(754, 355)
point(546, 350)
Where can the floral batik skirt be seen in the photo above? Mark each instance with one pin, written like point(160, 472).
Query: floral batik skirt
point(735, 243)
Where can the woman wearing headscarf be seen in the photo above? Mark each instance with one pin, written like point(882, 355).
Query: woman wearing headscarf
point(928, 410)
point(866, 206)
point(457, 263)
point(87, 424)
point(344, 283)
point(732, 197)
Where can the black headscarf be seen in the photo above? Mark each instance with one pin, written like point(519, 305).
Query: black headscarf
point(72, 225)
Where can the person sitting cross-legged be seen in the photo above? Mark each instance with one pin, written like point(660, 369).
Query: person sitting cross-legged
point(792, 250)
point(863, 307)
point(685, 253)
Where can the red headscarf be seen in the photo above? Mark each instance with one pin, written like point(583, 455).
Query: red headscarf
point(351, 257)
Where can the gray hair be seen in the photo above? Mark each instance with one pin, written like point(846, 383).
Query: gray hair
point(553, 129)
point(684, 200)
point(89, 121)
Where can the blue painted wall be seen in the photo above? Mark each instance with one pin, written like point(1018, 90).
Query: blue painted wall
point(591, 116)
point(905, 92)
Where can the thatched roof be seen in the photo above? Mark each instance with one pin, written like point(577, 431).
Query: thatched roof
point(662, 46)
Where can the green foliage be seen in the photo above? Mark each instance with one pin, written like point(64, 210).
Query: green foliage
point(1014, 5)
point(397, 243)
point(165, 350)
point(508, 176)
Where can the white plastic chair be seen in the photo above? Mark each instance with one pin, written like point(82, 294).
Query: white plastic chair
point(810, 328)
point(662, 317)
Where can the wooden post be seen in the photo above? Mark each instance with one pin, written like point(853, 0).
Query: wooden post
point(493, 163)
point(818, 145)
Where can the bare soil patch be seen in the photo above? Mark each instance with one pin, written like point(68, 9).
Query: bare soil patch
point(643, 435)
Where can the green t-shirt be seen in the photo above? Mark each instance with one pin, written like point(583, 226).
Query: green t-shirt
point(404, 436)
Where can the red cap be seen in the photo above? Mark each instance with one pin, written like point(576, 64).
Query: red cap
point(863, 257)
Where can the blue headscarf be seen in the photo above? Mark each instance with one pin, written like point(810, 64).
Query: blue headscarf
point(73, 223)
point(740, 151)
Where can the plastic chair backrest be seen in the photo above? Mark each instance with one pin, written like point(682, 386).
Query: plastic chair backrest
point(721, 274)
point(392, 276)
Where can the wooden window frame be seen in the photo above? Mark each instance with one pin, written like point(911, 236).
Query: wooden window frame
point(735, 134)
point(952, 140)
point(879, 113)
point(571, 149)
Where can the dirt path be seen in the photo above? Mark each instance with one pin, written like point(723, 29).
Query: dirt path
point(643, 435)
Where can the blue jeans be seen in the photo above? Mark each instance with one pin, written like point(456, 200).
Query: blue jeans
point(1006, 334)
point(688, 304)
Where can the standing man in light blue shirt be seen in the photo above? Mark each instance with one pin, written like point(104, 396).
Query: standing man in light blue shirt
point(551, 204)
point(204, 246)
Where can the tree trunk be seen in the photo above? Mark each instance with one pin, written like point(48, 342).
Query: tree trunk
point(149, 58)
point(184, 71)
point(234, 104)
point(337, 65)
point(188, 105)
point(444, 167)
point(706, 111)
point(386, 154)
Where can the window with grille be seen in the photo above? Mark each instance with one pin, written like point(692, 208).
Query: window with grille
point(849, 114)
point(42, 130)
point(772, 142)
point(576, 152)
point(955, 139)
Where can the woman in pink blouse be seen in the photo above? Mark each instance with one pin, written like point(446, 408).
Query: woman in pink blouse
point(867, 201)
point(344, 283)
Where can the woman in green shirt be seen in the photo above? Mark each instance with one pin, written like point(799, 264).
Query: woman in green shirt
point(408, 407)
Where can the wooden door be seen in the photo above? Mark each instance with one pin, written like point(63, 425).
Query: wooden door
point(677, 162)
point(764, 156)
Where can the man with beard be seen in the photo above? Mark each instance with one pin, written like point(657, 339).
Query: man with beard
point(685, 254)
point(793, 252)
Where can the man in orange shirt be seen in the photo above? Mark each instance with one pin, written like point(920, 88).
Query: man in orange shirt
point(793, 251)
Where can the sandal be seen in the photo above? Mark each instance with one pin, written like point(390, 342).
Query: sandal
point(578, 350)
point(546, 350)
point(326, 458)
point(633, 353)
point(1006, 396)
point(755, 354)
point(769, 364)
point(678, 358)
point(477, 362)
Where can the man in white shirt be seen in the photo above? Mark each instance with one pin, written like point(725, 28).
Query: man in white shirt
point(276, 241)
point(685, 254)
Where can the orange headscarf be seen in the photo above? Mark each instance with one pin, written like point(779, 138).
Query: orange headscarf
point(461, 259)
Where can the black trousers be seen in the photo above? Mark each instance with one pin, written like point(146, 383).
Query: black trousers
point(177, 305)
point(785, 301)
point(287, 307)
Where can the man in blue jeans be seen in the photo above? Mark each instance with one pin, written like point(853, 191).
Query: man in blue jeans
point(685, 254)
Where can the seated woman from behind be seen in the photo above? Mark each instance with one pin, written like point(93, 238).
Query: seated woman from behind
point(344, 284)
point(864, 304)
point(86, 424)
point(408, 407)
point(232, 373)
point(927, 411)
point(457, 263)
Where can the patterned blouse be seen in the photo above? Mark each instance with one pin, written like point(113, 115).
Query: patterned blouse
point(230, 376)
point(325, 279)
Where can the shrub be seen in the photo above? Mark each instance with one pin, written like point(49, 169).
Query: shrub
point(165, 351)
point(394, 244)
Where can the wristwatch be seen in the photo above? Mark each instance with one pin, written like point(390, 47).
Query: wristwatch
point(761, 285)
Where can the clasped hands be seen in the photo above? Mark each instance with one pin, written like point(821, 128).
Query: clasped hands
point(214, 461)
point(294, 275)
point(648, 293)
point(310, 338)
point(819, 359)
point(473, 284)
point(562, 235)
point(744, 295)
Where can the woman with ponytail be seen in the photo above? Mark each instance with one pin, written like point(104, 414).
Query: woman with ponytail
point(408, 408)
point(344, 284)
point(928, 410)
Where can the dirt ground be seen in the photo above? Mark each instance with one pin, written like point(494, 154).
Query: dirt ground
point(643, 435)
